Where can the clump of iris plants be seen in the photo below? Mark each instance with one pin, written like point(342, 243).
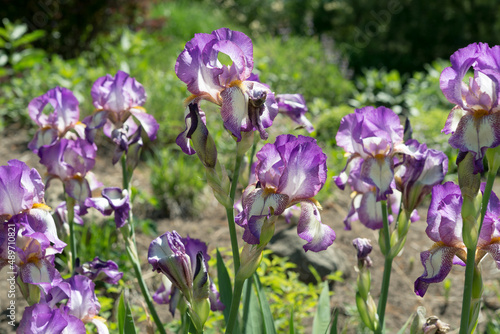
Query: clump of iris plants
point(389, 173)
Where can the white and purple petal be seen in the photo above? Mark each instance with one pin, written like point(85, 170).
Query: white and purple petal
point(319, 236)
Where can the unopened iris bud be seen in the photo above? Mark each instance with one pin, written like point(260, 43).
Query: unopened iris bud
point(218, 180)
point(468, 181)
point(471, 209)
point(200, 137)
point(30, 292)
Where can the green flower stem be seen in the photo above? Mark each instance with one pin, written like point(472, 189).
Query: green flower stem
point(471, 257)
point(128, 233)
point(384, 291)
point(235, 305)
point(230, 213)
point(70, 204)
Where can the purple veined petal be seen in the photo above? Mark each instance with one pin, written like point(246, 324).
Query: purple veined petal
point(182, 139)
point(75, 325)
point(214, 297)
point(370, 211)
point(41, 221)
point(234, 110)
point(164, 293)
point(82, 302)
point(437, 264)
point(41, 271)
point(94, 122)
point(147, 121)
point(99, 270)
point(494, 250)
point(66, 111)
point(380, 173)
point(262, 107)
point(193, 247)
point(269, 166)
point(476, 134)
point(445, 209)
point(310, 228)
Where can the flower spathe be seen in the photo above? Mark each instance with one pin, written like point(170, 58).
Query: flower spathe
point(288, 172)
point(376, 136)
point(474, 121)
point(445, 229)
point(246, 105)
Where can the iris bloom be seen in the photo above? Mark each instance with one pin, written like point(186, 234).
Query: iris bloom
point(26, 221)
point(41, 319)
point(116, 99)
point(71, 161)
point(56, 125)
point(473, 122)
point(184, 261)
point(289, 172)
point(376, 136)
point(246, 105)
point(445, 229)
point(294, 106)
point(114, 200)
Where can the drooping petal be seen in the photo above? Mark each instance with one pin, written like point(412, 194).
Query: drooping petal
point(294, 106)
point(99, 270)
point(380, 173)
point(310, 228)
point(147, 121)
point(437, 264)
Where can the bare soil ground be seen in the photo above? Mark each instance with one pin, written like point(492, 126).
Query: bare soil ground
point(212, 228)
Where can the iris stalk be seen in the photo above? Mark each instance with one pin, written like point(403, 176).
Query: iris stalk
point(131, 248)
point(384, 291)
point(471, 256)
point(70, 204)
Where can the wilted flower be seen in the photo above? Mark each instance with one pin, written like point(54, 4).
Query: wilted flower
point(473, 122)
point(445, 229)
point(185, 262)
point(294, 106)
point(289, 172)
point(99, 270)
point(376, 136)
point(246, 105)
point(57, 124)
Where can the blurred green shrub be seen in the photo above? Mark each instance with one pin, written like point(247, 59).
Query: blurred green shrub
point(177, 182)
point(301, 65)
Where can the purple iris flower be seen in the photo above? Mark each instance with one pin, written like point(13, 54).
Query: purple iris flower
point(99, 270)
point(41, 319)
point(77, 297)
point(71, 162)
point(364, 204)
point(27, 225)
point(56, 125)
point(294, 106)
point(419, 173)
point(116, 99)
point(246, 105)
point(289, 172)
point(376, 136)
point(473, 122)
point(444, 221)
point(113, 200)
point(184, 261)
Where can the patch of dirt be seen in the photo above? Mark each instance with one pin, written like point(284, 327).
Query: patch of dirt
point(211, 227)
